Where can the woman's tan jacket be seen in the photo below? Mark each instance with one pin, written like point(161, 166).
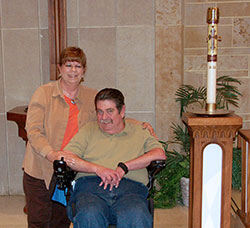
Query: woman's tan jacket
point(46, 122)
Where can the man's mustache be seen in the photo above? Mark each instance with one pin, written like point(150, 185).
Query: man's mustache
point(106, 121)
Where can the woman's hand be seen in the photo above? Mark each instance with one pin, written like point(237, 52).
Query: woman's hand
point(146, 125)
point(68, 156)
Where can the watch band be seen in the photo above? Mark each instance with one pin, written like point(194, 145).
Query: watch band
point(123, 167)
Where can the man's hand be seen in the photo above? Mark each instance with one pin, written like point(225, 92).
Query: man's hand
point(109, 177)
point(121, 172)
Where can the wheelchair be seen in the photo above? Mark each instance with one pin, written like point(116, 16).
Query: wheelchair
point(65, 176)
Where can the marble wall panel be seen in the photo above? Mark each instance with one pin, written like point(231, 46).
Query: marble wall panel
point(97, 13)
point(73, 37)
point(22, 66)
point(135, 12)
point(241, 32)
point(1, 14)
point(168, 82)
point(195, 62)
point(43, 14)
point(142, 116)
point(4, 185)
point(236, 73)
point(16, 151)
point(232, 62)
point(169, 43)
point(195, 37)
point(168, 12)
point(135, 66)
point(194, 78)
point(244, 101)
point(225, 32)
point(99, 46)
point(2, 97)
point(225, 21)
point(195, 1)
point(200, 12)
point(195, 51)
point(246, 121)
point(164, 121)
point(20, 14)
point(73, 13)
point(233, 51)
point(44, 52)
point(245, 117)
point(234, 9)
point(168, 67)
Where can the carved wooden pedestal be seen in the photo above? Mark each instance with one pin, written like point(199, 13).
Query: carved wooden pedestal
point(211, 169)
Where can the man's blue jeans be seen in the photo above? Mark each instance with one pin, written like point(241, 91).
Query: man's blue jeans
point(93, 207)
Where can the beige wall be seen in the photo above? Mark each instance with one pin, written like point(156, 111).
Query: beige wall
point(146, 48)
point(168, 63)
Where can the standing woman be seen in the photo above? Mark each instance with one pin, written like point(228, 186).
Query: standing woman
point(55, 113)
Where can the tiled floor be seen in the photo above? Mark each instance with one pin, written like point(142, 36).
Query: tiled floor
point(12, 216)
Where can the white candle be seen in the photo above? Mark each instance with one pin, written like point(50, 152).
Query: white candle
point(212, 20)
point(211, 82)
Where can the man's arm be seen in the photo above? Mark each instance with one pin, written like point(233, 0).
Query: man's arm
point(78, 164)
point(144, 160)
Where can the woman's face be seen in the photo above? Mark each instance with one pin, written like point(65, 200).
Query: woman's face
point(71, 72)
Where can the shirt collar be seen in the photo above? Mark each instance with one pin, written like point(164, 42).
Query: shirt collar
point(125, 131)
point(58, 90)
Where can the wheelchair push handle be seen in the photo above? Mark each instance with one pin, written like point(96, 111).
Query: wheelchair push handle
point(60, 166)
point(63, 173)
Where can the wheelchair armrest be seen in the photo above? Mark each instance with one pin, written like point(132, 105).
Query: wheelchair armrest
point(153, 169)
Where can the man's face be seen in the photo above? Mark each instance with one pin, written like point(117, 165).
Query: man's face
point(108, 117)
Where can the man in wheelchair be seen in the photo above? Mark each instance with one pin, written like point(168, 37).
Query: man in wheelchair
point(110, 156)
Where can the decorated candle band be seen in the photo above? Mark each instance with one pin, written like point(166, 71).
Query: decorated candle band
point(212, 20)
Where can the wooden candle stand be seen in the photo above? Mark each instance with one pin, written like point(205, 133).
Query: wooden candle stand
point(206, 131)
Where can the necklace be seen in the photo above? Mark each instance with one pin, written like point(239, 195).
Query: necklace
point(72, 97)
point(72, 100)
